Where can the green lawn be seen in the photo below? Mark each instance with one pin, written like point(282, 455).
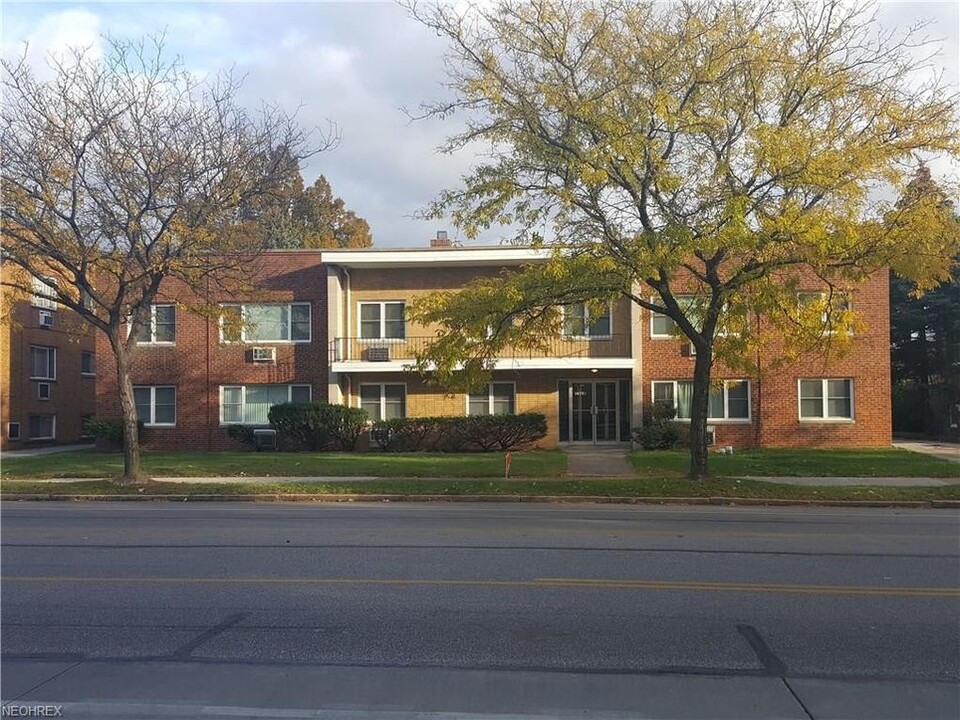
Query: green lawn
point(866, 463)
point(628, 488)
point(88, 464)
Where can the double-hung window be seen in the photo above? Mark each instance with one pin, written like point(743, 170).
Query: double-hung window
point(662, 326)
point(382, 321)
point(729, 400)
point(160, 327)
point(499, 398)
point(88, 364)
point(384, 401)
point(265, 323)
point(579, 322)
point(43, 363)
point(829, 305)
point(156, 404)
point(250, 404)
point(826, 399)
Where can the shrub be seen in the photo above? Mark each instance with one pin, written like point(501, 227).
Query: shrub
point(318, 426)
point(109, 430)
point(243, 433)
point(444, 434)
point(659, 432)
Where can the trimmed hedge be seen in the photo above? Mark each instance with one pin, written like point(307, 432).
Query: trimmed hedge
point(108, 430)
point(318, 426)
point(455, 434)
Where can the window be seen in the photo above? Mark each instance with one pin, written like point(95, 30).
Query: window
point(265, 323)
point(384, 402)
point(382, 321)
point(43, 363)
point(13, 431)
point(43, 427)
point(729, 400)
point(662, 326)
point(43, 391)
point(156, 405)
point(160, 327)
point(250, 404)
point(577, 322)
point(44, 293)
point(88, 364)
point(498, 399)
point(826, 399)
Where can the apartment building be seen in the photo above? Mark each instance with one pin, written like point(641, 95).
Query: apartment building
point(336, 328)
point(47, 368)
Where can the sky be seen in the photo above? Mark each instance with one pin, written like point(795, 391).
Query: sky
point(356, 64)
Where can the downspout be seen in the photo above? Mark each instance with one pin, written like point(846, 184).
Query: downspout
point(758, 417)
point(348, 316)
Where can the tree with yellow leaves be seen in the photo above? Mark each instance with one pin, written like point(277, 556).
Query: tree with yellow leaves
point(704, 148)
point(123, 171)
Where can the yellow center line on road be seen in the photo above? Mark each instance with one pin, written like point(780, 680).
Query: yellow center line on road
point(539, 583)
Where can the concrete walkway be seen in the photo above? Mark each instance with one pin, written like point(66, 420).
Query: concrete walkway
point(608, 461)
point(47, 450)
point(942, 450)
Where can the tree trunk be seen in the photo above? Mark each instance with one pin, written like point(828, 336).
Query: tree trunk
point(131, 437)
point(698, 413)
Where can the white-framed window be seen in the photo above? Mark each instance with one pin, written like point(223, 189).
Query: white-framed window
point(500, 398)
point(156, 404)
point(579, 323)
point(160, 328)
point(43, 391)
point(44, 293)
point(43, 363)
point(266, 323)
point(250, 404)
point(729, 399)
point(13, 431)
point(384, 401)
point(88, 364)
point(382, 320)
point(42, 427)
point(825, 398)
point(662, 326)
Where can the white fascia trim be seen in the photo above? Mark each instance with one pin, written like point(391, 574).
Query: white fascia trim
point(447, 256)
point(363, 366)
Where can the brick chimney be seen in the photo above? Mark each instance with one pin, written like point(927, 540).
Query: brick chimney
point(441, 240)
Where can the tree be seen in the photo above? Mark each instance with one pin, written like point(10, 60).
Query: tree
point(298, 217)
point(726, 151)
point(925, 333)
point(123, 172)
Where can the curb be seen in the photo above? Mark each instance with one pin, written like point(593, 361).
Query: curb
point(557, 499)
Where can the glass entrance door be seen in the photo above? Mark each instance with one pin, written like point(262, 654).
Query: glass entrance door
point(593, 411)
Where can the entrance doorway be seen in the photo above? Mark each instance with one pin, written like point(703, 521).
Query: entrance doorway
point(591, 411)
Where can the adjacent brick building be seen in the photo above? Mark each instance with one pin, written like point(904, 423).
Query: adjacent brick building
point(337, 330)
point(47, 368)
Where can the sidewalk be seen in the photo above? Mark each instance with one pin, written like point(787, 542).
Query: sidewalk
point(47, 450)
point(942, 450)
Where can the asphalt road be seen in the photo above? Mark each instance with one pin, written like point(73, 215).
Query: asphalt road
point(441, 611)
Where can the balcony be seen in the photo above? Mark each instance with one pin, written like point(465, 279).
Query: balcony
point(351, 354)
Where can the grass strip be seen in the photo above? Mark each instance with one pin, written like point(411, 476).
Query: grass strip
point(640, 487)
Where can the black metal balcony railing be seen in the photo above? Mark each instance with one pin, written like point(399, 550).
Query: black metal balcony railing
point(344, 349)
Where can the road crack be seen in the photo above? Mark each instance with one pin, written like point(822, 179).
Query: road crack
point(185, 651)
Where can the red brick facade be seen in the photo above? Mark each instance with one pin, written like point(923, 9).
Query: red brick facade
point(69, 396)
point(197, 364)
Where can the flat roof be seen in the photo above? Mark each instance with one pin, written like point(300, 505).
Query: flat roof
point(447, 256)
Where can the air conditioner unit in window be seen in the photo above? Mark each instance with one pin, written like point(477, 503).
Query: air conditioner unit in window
point(264, 354)
point(378, 354)
point(711, 435)
point(46, 319)
point(43, 391)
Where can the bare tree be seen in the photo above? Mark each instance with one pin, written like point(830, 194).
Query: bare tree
point(123, 171)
